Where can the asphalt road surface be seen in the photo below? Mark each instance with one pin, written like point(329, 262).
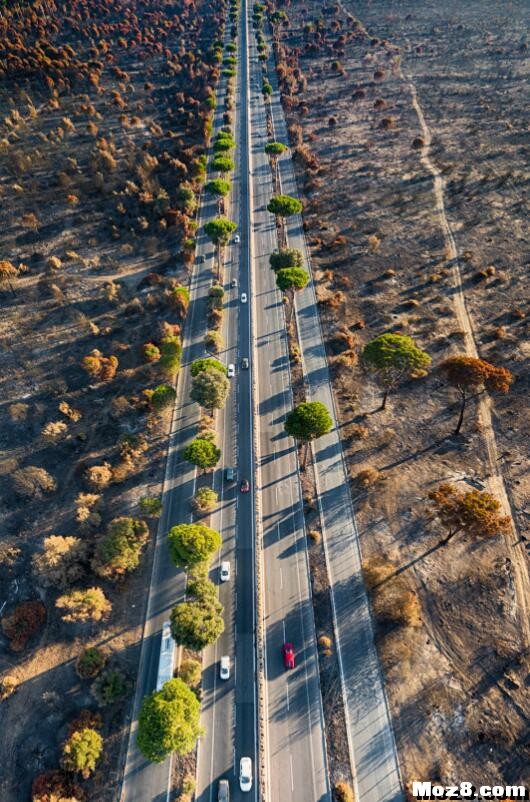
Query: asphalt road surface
point(144, 781)
point(370, 733)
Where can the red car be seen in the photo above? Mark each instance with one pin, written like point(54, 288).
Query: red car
point(244, 486)
point(288, 655)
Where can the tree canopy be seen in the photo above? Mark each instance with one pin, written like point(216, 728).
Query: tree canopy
point(80, 606)
point(308, 421)
point(393, 356)
point(291, 278)
point(202, 453)
point(201, 364)
point(286, 257)
point(475, 512)
point(190, 544)
point(197, 624)
point(119, 551)
point(468, 374)
point(284, 205)
point(163, 396)
point(222, 164)
point(169, 722)
point(220, 229)
point(82, 750)
point(209, 388)
point(218, 186)
point(275, 148)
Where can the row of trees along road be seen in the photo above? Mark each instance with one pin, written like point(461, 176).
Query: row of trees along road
point(169, 718)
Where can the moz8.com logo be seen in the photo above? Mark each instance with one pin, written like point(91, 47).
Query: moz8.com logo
point(465, 790)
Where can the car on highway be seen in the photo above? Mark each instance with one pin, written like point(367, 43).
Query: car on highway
point(233, 283)
point(237, 239)
point(244, 363)
point(243, 297)
point(223, 791)
point(202, 258)
point(245, 774)
point(224, 667)
point(288, 655)
point(244, 486)
point(224, 573)
point(230, 475)
point(231, 370)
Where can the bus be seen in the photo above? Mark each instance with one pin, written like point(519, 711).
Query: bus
point(167, 657)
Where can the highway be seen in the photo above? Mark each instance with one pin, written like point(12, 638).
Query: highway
point(296, 757)
point(144, 781)
point(371, 742)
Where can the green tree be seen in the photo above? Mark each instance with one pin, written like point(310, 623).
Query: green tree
point(219, 187)
point(392, 357)
point(205, 499)
point(273, 151)
point(150, 506)
point(81, 751)
point(307, 422)
point(201, 364)
point(287, 257)
point(187, 200)
point(209, 388)
point(290, 280)
point(469, 374)
point(162, 397)
point(90, 662)
point(192, 543)
point(171, 353)
point(475, 512)
point(190, 672)
point(224, 143)
point(266, 89)
point(202, 453)
point(119, 551)
point(219, 231)
point(169, 722)
point(223, 164)
point(111, 686)
point(284, 205)
point(197, 624)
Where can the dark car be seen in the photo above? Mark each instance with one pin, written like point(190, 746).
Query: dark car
point(244, 363)
point(288, 655)
point(201, 260)
point(223, 793)
point(244, 486)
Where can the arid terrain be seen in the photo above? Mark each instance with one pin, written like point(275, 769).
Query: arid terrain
point(105, 112)
point(409, 128)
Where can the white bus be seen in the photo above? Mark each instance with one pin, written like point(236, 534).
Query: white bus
point(167, 657)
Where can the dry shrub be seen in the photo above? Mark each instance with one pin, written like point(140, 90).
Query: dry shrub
point(54, 431)
point(32, 482)
point(374, 243)
point(54, 263)
point(368, 477)
point(342, 340)
point(90, 662)
point(87, 507)
point(326, 645)
point(56, 786)
point(18, 413)
point(343, 792)
point(333, 301)
point(73, 414)
point(315, 536)
point(358, 432)
point(61, 561)
point(100, 367)
point(8, 686)
point(24, 622)
point(9, 554)
point(98, 476)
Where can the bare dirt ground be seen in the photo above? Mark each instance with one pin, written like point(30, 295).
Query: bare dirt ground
point(409, 131)
point(104, 116)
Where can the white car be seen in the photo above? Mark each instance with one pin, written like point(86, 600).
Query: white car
point(224, 668)
point(224, 574)
point(245, 774)
point(243, 297)
point(237, 239)
point(231, 371)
